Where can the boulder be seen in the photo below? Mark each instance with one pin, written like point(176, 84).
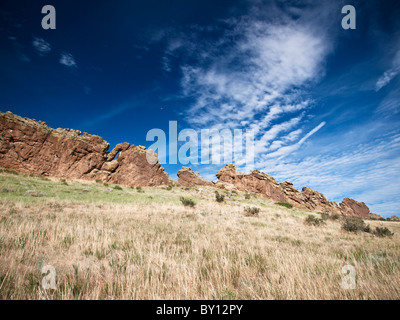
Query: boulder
point(351, 207)
point(394, 218)
point(255, 182)
point(315, 201)
point(188, 178)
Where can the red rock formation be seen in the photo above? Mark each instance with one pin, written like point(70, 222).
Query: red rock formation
point(294, 196)
point(350, 207)
point(32, 147)
point(256, 181)
point(314, 200)
point(265, 185)
point(134, 170)
point(188, 178)
point(375, 216)
point(29, 146)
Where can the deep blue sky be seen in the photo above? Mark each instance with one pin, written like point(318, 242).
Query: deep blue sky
point(324, 102)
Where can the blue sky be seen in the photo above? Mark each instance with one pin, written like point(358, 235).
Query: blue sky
point(324, 102)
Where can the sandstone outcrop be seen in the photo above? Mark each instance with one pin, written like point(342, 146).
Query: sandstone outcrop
point(133, 168)
point(29, 146)
point(350, 207)
point(188, 178)
point(294, 196)
point(255, 182)
point(375, 216)
point(265, 185)
point(316, 201)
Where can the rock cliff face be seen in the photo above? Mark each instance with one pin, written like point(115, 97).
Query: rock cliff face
point(30, 146)
point(350, 207)
point(131, 168)
point(188, 178)
point(256, 182)
point(265, 185)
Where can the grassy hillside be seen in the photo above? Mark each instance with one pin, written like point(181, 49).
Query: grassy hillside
point(108, 242)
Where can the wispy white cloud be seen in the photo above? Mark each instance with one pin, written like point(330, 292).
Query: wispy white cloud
point(255, 77)
point(41, 46)
point(386, 78)
point(390, 74)
point(284, 151)
point(68, 60)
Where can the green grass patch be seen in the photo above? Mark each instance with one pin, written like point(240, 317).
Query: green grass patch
point(284, 204)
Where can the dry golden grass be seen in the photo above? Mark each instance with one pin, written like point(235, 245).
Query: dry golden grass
point(155, 248)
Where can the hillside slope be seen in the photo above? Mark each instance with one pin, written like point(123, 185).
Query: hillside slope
point(111, 242)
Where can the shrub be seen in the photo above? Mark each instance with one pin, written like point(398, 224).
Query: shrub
point(98, 181)
point(187, 202)
point(326, 216)
point(334, 216)
point(219, 197)
point(355, 224)
point(117, 187)
point(284, 204)
point(247, 196)
point(252, 211)
point(64, 182)
point(139, 189)
point(383, 232)
point(169, 188)
point(314, 221)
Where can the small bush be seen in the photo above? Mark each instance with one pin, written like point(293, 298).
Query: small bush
point(253, 212)
point(64, 182)
point(187, 202)
point(139, 189)
point(334, 216)
point(326, 216)
point(314, 221)
point(247, 196)
point(355, 224)
point(117, 188)
point(99, 181)
point(284, 204)
point(219, 197)
point(383, 232)
point(169, 188)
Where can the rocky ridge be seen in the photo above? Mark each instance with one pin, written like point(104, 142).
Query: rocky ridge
point(308, 199)
point(30, 146)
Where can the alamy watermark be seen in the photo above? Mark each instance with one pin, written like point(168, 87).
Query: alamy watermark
point(207, 146)
point(349, 280)
point(49, 20)
point(49, 279)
